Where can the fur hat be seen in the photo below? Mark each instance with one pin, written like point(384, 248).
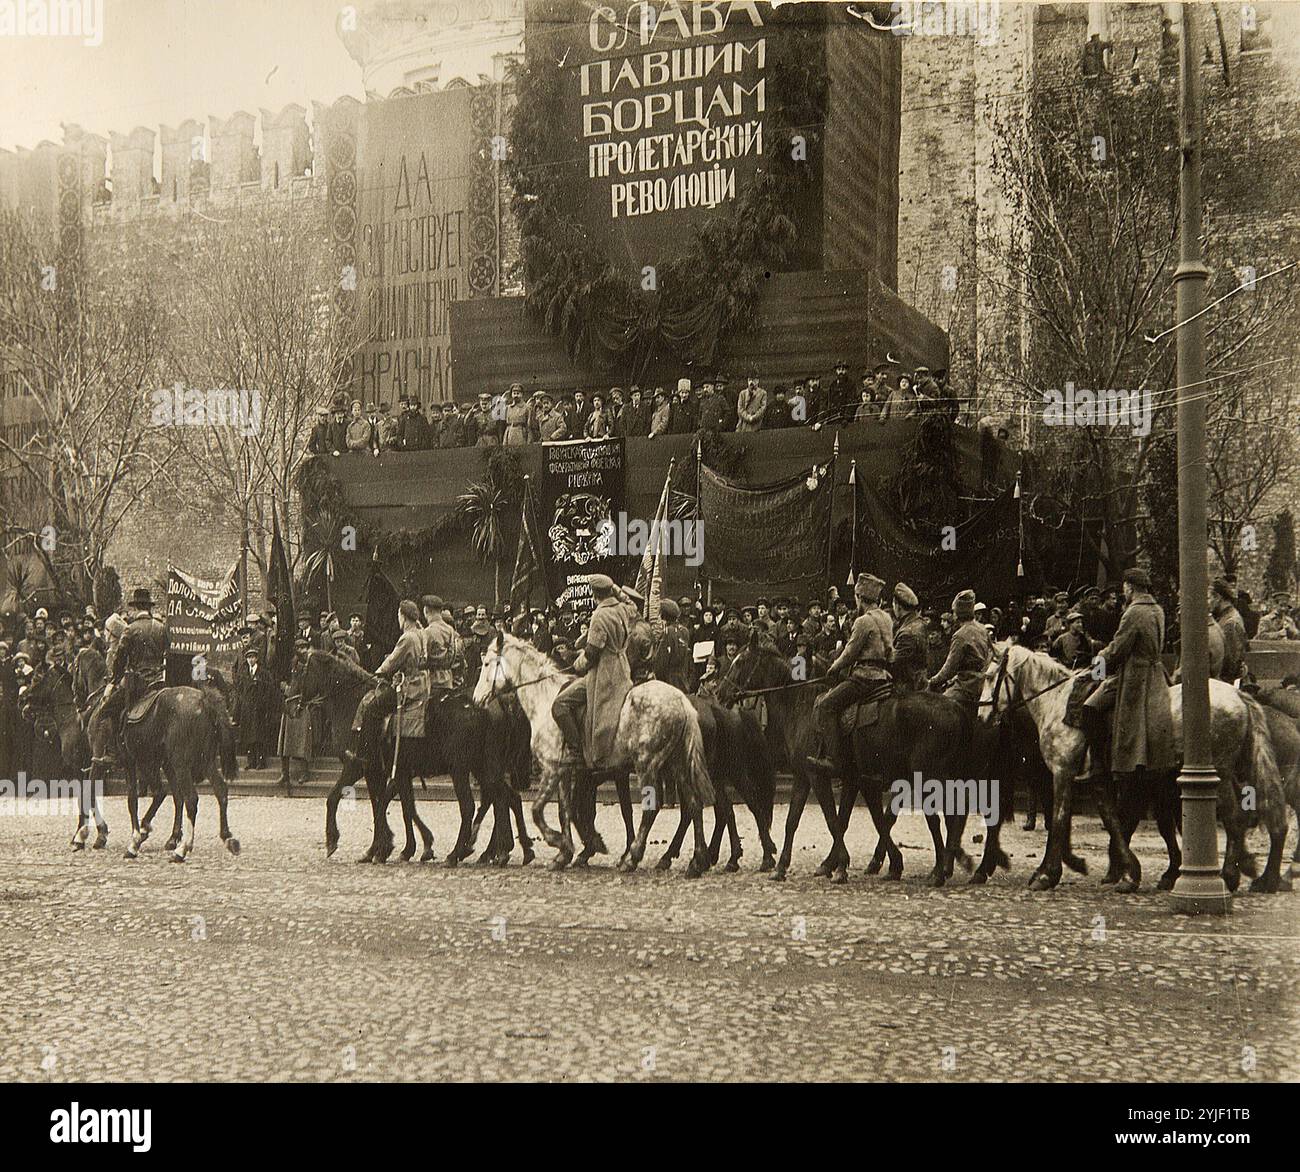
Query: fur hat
point(905, 596)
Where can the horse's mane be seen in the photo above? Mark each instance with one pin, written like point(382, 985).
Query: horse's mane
point(349, 669)
point(1053, 668)
point(531, 655)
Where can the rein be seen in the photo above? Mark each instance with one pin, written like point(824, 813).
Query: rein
point(1020, 702)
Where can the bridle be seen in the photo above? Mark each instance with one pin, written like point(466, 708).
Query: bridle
point(1014, 700)
point(744, 693)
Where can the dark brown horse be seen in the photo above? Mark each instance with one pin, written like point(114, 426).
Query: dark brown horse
point(186, 736)
point(462, 742)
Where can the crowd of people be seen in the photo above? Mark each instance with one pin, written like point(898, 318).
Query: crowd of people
point(716, 404)
point(693, 647)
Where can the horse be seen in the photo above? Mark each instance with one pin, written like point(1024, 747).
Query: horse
point(1243, 757)
point(914, 732)
point(185, 735)
point(737, 753)
point(61, 749)
point(1282, 710)
point(658, 738)
point(460, 741)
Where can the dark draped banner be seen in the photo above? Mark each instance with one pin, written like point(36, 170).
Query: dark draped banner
point(982, 556)
point(582, 491)
point(766, 533)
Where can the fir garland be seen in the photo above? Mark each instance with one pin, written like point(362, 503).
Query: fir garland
point(572, 286)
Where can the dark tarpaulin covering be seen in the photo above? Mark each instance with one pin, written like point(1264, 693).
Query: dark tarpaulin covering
point(280, 591)
point(983, 554)
point(765, 533)
point(382, 629)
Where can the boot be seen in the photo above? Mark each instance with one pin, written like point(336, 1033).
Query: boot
point(1097, 733)
point(571, 733)
point(829, 761)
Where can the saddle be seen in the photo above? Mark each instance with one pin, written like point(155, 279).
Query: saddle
point(1080, 690)
point(142, 707)
point(863, 713)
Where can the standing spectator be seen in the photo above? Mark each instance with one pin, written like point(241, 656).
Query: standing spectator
point(344, 649)
point(435, 425)
point(388, 430)
point(517, 416)
point(841, 401)
point(578, 414)
point(902, 402)
point(1278, 623)
point(598, 425)
point(682, 411)
point(256, 709)
point(661, 417)
point(713, 409)
point(615, 409)
point(358, 435)
point(866, 408)
point(453, 428)
point(539, 403)
point(482, 427)
point(554, 424)
point(635, 420)
point(752, 405)
point(778, 415)
point(412, 427)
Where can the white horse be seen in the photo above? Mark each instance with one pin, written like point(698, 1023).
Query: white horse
point(658, 738)
point(1243, 757)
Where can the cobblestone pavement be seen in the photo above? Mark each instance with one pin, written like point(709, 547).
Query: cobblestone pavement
point(281, 964)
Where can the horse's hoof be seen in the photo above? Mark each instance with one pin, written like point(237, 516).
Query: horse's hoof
point(501, 860)
point(598, 846)
point(451, 861)
point(697, 866)
point(1041, 883)
point(171, 844)
point(232, 845)
point(873, 867)
point(178, 856)
point(894, 875)
point(331, 845)
point(1109, 879)
point(529, 855)
point(840, 875)
point(778, 876)
point(1264, 885)
point(428, 856)
point(664, 864)
point(767, 864)
point(733, 865)
point(582, 861)
point(823, 870)
point(1167, 881)
point(131, 853)
point(936, 878)
point(1127, 885)
point(78, 845)
point(978, 879)
point(101, 841)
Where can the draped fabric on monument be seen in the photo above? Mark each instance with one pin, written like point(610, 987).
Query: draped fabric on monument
point(981, 553)
point(765, 533)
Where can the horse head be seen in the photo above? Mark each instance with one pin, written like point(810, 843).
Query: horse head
point(496, 676)
point(999, 682)
point(759, 664)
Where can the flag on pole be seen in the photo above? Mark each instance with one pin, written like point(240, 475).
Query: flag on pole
point(279, 590)
point(529, 577)
point(649, 578)
point(853, 531)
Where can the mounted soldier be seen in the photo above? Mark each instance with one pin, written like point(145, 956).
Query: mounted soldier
point(1134, 689)
point(858, 670)
point(138, 663)
point(1223, 605)
point(408, 657)
point(440, 645)
point(640, 638)
point(908, 663)
point(672, 657)
point(587, 710)
point(962, 675)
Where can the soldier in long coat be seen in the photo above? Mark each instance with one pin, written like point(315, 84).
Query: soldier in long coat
point(1134, 688)
point(1235, 643)
point(408, 657)
point(862, 664)
point(962, 675)
point(908, 663)
point(594, 701)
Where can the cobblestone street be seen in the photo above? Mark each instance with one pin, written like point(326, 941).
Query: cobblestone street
point(280, 964)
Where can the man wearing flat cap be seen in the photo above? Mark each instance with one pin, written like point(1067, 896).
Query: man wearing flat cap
point(1134, 689)
point(1074, 647)
point(908, 664)
point(587, 710)
point(440, 644)
point(1223, 605)
point(858, 670)
point(962, 675)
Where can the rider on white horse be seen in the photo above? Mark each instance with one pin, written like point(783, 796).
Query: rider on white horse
point(591, 704)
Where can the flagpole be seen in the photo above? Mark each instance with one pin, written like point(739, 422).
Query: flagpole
point(853, 537)
point(699, 462)
point(830, 520)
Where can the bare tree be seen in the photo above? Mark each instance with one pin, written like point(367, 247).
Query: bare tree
point(257, 317)
point(83, 358)
point(1091, 176)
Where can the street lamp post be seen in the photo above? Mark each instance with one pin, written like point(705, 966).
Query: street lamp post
point(1200, 887)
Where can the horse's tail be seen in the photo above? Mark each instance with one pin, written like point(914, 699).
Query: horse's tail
point(1259, 766)
point(219, 718)
point(682, 753)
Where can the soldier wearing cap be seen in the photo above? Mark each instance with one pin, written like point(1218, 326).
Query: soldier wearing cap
point(1223, 605)
point(673, 661)
point(1134, 688)
point(1059, 619)
point(640, 637)
point(591, 704)
point(908, 663)
point(859, 668)
point(408, 657)
point(139, 661)
point(1278, 623)
point(962, 673)
point(440, 647)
